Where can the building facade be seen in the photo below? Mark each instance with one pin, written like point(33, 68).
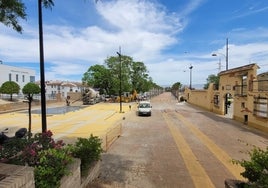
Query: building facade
point(20, 75)
point(241, 95)
point(62, 88)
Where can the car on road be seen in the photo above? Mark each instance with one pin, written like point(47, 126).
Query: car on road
point(144, 108)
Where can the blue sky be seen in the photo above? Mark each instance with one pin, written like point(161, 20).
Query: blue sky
point(167, 35)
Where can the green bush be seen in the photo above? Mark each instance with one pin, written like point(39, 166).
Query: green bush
point(256, 169)
point(9, 151)
point(50, 158)
point(52, 167)
point(88, 150)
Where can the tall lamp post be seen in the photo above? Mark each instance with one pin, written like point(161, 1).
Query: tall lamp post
point(225, 56)
point(191, 67)
point(120, 79)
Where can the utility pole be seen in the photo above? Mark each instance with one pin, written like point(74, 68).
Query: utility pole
point(227, 54)
point(120, 78)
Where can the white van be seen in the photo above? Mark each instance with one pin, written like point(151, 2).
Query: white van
point(144, 108)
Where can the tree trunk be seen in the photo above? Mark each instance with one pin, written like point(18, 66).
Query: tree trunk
point(30, 99)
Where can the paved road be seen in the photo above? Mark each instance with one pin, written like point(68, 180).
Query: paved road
point(178, 146)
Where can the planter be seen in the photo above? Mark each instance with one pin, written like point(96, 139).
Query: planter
point(229, 183)
point(92, 174)
point(75, 179)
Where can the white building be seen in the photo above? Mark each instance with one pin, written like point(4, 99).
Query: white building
point(62, 87)
point(20, 75)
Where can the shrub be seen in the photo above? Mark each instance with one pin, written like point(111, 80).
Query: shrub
point(10, 150)
point(50, 158)
point(52, 167)
point(256, 169)
point(40, 142)
point(88, 150)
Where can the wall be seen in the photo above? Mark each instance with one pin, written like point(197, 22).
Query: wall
point(201, 98)
point(231, 82)
point(16, 176)
point(5, 70)
point(23, 177)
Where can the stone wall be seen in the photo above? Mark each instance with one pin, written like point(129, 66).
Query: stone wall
point(23, 176)
point(16, 176)
point(74, 179)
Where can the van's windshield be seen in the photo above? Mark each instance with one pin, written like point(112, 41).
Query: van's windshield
point(144, 106)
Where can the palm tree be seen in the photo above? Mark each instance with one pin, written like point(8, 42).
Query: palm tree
point(46, 4)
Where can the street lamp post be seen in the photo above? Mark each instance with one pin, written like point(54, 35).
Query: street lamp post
point(191, 67)
point(120, 79)
point(225, 56)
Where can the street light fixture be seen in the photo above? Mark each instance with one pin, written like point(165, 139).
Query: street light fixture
point(226, 56)
point(120, 79)
point(191, 67)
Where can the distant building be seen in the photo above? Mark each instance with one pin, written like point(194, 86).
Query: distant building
point(20, 75)
point(54, 87)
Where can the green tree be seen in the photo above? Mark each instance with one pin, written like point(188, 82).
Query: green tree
point(117, 70)
point(10, 12)
point(134, 76)
point(139, 76)
point(176, 86)
point(10, 87)
point(29, 90)
point(98, 76)
point(212, 79)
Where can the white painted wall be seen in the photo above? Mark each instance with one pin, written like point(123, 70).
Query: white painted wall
point(20, 75)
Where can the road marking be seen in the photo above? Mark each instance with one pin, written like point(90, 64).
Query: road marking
point(220, 154)
point(197, 172)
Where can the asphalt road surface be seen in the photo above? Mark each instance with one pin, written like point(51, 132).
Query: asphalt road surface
point(178, 146)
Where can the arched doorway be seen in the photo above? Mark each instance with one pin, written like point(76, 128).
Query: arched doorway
point(228, 105)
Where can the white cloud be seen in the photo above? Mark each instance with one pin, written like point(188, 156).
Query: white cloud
point(143, 30)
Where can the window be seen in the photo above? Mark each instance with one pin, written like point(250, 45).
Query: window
point(32, 78)
point(261, 107)
point(17, 77)
point(10, 77)
point(216, 100)
point(23, 78)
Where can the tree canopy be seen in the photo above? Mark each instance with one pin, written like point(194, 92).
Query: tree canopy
point(176, 86)
point(10, 13)
point(10, 87)
point(134, 76)
point(212, 79)
point(30, 89)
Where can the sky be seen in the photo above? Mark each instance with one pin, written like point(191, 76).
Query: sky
point(168, 36)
